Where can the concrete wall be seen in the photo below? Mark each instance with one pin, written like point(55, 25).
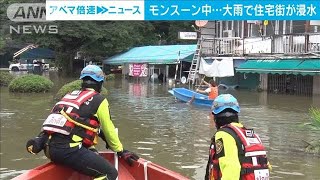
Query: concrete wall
point(263, 82)
point(316, 85)
point(125, 69)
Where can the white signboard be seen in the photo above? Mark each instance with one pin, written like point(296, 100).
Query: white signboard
point(254, 22)
point(315, 23)
point(188, 35)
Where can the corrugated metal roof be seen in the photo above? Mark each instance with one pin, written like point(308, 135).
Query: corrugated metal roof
point(164, 54)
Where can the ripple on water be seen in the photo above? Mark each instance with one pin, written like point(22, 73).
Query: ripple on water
point(4, 114)
point(289, 173)
point(177, 136)
point(8, 173)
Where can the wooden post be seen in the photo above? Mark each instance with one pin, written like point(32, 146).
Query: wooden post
point(307, 27)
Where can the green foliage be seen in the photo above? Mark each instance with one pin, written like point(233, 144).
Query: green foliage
point(72, 86)
point(180, 26)
point(5, 78)
point(30, 83)
point(2, 42)
point(94, 39)
point(314, 145)
point(110, 76)
point(315, 116)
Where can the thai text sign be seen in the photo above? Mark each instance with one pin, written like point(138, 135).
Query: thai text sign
point(138, 70)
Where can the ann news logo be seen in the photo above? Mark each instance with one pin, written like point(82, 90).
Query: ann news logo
point(30, 12)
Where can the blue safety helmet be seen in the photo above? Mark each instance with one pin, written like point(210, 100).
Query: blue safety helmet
point(93, 71)
point(225, 101)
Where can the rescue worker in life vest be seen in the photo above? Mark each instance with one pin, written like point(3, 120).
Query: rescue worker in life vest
point(235, 151)
point(70, 131)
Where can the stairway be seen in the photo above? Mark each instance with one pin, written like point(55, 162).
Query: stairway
point(195, 63)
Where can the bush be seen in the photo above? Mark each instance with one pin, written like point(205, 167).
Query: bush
point(5, 78)
point(315, 116)
point(314, 145)
point(72, 86)
point(30, 83)
point(110, 76)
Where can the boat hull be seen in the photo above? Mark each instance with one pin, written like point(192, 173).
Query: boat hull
point(140, 168)
point(186, 95)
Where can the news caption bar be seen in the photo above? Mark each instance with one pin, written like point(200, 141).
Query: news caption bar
point(182, 10)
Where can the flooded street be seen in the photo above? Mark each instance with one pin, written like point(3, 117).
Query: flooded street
point(170, 133)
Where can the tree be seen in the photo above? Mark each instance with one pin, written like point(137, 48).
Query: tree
point(95, 39)
point(168, 31)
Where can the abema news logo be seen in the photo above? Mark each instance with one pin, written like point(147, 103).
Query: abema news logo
point(30, 18)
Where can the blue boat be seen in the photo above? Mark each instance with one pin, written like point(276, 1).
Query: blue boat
point(185, 95)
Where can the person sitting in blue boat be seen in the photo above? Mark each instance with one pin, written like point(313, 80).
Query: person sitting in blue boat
point(212, 89)
point(71, 130)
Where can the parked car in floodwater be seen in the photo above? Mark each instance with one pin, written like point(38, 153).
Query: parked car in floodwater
point(25, 65)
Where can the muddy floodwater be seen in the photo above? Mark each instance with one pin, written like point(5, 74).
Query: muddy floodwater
point(156, 126)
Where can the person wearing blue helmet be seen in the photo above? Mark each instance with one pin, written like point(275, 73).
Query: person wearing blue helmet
point(70, 132)
point(235, 152)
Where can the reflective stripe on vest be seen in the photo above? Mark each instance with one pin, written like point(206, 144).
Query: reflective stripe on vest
point(65, 122)
point(245, 140)
point(76, 100)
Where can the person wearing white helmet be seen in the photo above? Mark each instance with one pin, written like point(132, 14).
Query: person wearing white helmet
point(235, 152)
point(72, 128)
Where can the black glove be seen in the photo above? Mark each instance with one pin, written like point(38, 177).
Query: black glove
point(128, 156)
point(36, 144)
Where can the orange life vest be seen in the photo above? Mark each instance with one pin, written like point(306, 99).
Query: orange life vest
point(252, 155)
point(213, 93)
point(64, 118)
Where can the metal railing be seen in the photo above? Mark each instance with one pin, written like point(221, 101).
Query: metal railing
point(221, 46)
point(296, 43)
point(289, 44)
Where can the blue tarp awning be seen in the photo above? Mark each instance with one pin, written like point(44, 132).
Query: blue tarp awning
point(38, 53)
point(164, 54)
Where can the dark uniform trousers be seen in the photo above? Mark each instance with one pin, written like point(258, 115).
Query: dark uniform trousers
point(79, 158)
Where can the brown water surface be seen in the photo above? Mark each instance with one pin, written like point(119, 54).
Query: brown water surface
point(160, 129)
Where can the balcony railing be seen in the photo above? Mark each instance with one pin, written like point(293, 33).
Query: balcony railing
point(290, 44)
point(221, 46)
point(297, 43)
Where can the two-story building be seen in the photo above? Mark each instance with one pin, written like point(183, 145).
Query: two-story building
point(274, 56)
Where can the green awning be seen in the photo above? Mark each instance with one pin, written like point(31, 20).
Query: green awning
point(281, 66)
